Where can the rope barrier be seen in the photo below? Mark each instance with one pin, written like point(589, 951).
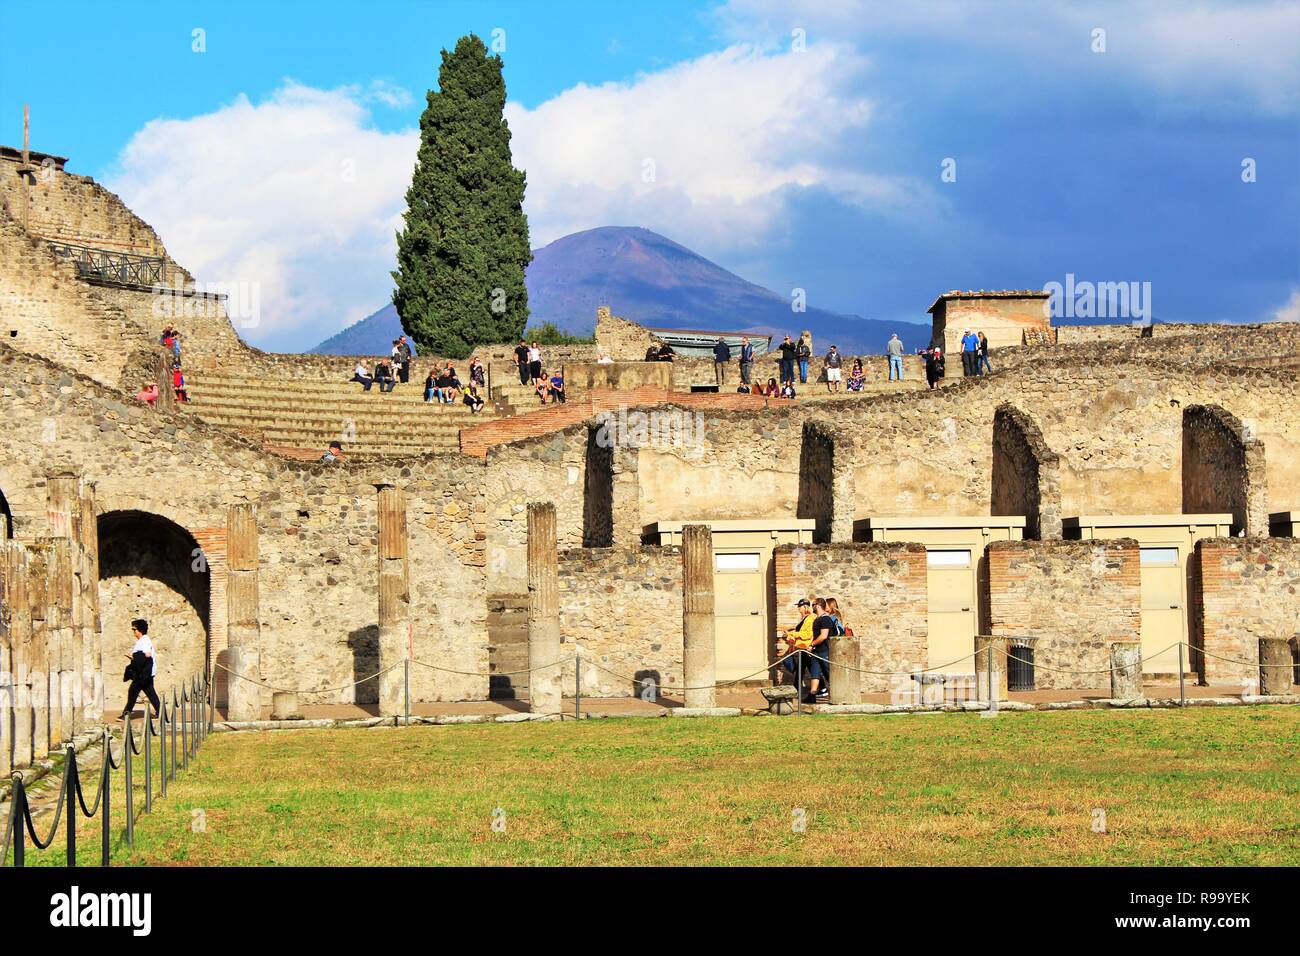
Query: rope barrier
point(452, 670)
point(294, 690)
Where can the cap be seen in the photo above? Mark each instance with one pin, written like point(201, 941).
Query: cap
point(803, 602)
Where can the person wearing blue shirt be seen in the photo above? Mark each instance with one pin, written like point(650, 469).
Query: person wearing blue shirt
point(970, 345)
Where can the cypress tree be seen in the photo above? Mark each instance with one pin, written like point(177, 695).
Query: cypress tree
point(462, 253)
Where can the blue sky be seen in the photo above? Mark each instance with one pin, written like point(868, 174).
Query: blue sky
point(799, 144)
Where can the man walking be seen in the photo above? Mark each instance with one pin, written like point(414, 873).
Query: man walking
point(746, 360)
point(787, 351)
point(894, 349)
point(142, 669)
point(803, 353)
point(833, 362)
point(721, 356)
point(970, 345)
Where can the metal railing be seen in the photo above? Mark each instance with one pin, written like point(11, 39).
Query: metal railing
point(122, 268)
point(190, 716)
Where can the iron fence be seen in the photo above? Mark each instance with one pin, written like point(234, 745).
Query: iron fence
point(122, 268)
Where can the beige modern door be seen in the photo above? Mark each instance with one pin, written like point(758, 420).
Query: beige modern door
point(953, 612)
point(1162, 609)
point(739, 612)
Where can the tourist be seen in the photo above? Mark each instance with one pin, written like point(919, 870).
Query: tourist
point(362, 374)
point(746, 360)
point(824, 628)
point(333, 454)
point(832, 364)
point(403, 359)
point(894, 349)
point(721, 356)
point(556, 388)
point(787, 390)
point(535, 363)
point(148, 394)
point(802, 353)
point(787, 351)
point(933, 365)
point(606, 360)
point(473, 399)
point(969, 346)
point(384, 376)
point(652, 353)
point(857, 377)
point(448, 386)
point(982, 356)
point(431, 389)
point(773, 390)
point(521, 359)
point(797, 640)
point(142, 670)
point(178, 384)
point(666, 353)
point(477, 373)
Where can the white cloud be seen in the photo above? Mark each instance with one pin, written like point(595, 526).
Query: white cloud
point(297, 193)
point(259, 192)
point(1231, 54)
point(1290, 312)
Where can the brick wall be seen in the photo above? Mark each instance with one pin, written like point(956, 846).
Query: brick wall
point(1075, 597)
point(1245, 589)
point(881, 589)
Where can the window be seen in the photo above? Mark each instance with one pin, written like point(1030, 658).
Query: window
point(948, 559)
point(1160, 556)
point(735, 562)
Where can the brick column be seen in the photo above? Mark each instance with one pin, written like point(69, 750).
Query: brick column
point(544, 691)
point(243, 619)
point(983, 643)
point(1126, 670)
point(394, 599)
point(63, 496)
point(698, 636)
point(17, 616)
point(1275, 665)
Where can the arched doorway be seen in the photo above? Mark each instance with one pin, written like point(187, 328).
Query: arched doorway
point(6, 518)
point(153, 568)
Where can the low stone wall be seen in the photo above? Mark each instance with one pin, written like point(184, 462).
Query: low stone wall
point(618, 375)
point(881, 590)
point(1244, 589)
point(624, 609)
point(1075, 597)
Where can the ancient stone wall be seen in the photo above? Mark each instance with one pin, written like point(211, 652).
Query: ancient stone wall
point(1075, 597)
point(621, 340)
point(1247, 589)
point(1025, 474)
point(1224, 469)
point(623, 608)
point(881, 589)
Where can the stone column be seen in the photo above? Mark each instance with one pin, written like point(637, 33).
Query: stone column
point(15, 607)
point(38, 654)
point(698, 636)
point(92, 640)
point(846, 680)
point(63, 495)
point(243, 617)
point(983, 642)
point(61, 591)
point(1126, 670)
point(545, 694)
point(1275, 665)
point(394, 599)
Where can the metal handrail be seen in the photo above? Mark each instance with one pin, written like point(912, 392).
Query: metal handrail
point(121, 267)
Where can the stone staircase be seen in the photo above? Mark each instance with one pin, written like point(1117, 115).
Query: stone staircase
point(306, 415)
point(513, 397)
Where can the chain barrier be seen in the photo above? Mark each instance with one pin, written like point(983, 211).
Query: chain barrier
point(195, 727)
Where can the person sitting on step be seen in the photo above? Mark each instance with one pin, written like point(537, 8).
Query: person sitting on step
point(362, 374)
point(473, 399)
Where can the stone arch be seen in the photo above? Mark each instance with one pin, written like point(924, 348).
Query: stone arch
point(1026, 474)
point(154, 568)
point(1223, 469)
point(826, 489)
point(6, 517)
point(598, 491)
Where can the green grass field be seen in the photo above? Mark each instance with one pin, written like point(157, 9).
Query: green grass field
point(1201, 786)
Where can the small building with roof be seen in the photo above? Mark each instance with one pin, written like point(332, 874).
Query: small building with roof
point(1006, 317)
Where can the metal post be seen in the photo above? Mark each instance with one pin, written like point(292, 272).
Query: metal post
point(162, 748)
point(406, 664)
point(20, 819)
point(577, 686)
point(70, 798)
point(1182, 696)
point(148, 761)
point(175, 707)
point(106, 782)
point(127, 739)
point(185, 719)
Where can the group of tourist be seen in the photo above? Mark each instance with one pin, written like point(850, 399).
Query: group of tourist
point(170, 339)
point(808, 645)
point(528, 359)
point(443, 387)
point(974, 358)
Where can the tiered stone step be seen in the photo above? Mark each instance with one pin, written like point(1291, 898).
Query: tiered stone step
point(524, 398)
point(310, 414)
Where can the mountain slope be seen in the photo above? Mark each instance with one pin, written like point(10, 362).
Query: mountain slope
point(650, 279)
